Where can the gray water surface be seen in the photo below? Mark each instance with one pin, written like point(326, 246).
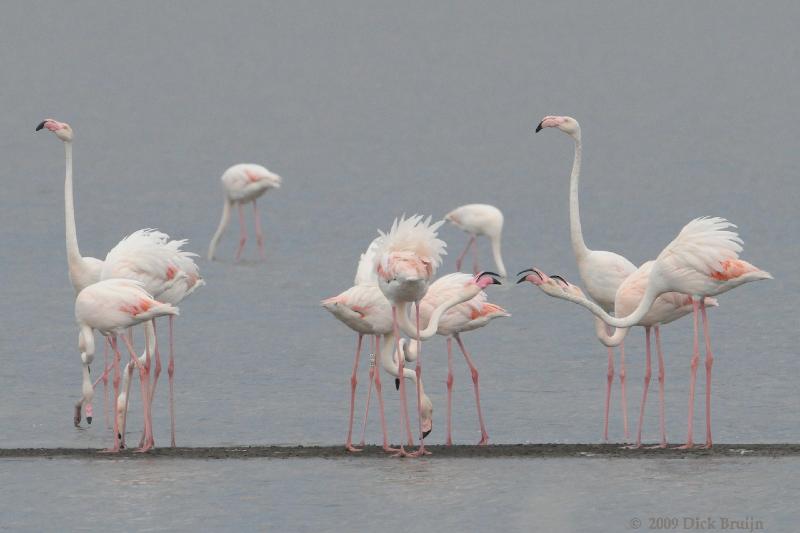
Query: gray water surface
point(369, 111)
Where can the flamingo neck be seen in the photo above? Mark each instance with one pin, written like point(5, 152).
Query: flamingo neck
point(653, 290)
point(74, 259)
point(433, 324)
point(498, 257)
point(601, 331)
point(575, 232)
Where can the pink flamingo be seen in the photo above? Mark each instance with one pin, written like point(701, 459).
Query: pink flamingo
point(477, 220)
point(667, 308)
point(243, 183)
point(703, 260)
point(602, 272)
point(466, 316)
point(112, 306)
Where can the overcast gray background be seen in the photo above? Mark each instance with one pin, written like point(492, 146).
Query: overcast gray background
point(368, 111)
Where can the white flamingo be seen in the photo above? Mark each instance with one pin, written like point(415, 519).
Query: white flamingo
point(243, 183)
point(477, 220)
point(602, 272)
point(703, 260)
point(112, 306)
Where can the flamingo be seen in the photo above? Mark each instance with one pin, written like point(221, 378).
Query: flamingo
point(125, 259)
point(466, 316)
point(602, 272)
point(112, 306)
point(406, 260)
point(703, 260)
point(477, 220)
point(170, 275)
point(667, 308)
point(243, 183)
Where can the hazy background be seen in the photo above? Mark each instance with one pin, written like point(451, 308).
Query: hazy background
point(368, 111)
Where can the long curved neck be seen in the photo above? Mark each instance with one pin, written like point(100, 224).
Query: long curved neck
point(650, 295)
point(611, 341)
point(433, 324)
point(498, 257)
point(575, 232)
point(74, 259)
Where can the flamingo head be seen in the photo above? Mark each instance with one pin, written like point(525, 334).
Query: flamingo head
point(568, 125)
point(404, 276)
point(62, 130)
point(568, 287)
point(552, 286)
point(426, 410)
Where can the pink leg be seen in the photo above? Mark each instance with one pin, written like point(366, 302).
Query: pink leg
point(484, 434)
point(709, 363)
point(647, 375)
point(106, 405)
point(421, 450)
point(242, 233)
point(143, 381)
point(449, 440)
point(117, 437)
point(379, 394)
point(474, 256)
point(623, 397)
point(661, 379)
point(692, 383)
point(259, 233)
point(353, 382)
point(157, 367)
point(461, 257)
point(369, 394)
point(404, 418)
point(171, 376)
point(609, 381)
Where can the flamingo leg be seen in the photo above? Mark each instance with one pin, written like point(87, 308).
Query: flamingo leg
point(353, 383)
point(369, 394)
point(661, 379)
point(647, 375)
point(461, 257)
point(418, 370)
point(474, 371)
point(379, 394)
point(709, 364)
point(106, 404)
point(259, 233)
point(609, 381)
point(475, 256)
point(144, 370)
point(623, 397)
point(404, 419)
point(157, 359)
point(116, 356)
point(693, 381)
point(171, 376)
point(242, 233)
point(449, 440)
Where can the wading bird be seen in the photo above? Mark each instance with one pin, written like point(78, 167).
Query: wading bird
point(477, 220)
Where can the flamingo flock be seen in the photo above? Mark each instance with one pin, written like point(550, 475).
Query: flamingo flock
point(397, 302)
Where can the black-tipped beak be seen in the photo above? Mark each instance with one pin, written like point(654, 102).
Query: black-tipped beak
point(539, 127)
point(426, 433)
point(89, 420)
point(521, 272)
point(526, 271)
point(495, 281)
point(41, 125)
point(397, 383)
point(560, 278)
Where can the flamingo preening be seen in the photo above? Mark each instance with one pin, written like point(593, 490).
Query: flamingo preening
point(602, 272)
point(477, 220)
point(243, 183)
point(703, 260)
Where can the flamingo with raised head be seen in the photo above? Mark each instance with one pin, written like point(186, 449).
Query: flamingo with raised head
point(703, 260)
point(477, 220)
point(667, 308)
point(602, 272)
point(112, 306)
point(243, 183)
point(466, 316)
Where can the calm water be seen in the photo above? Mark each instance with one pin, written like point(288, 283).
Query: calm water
point(370, 112)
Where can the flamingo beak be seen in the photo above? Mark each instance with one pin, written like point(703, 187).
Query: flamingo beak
point(492, 275)
point(397, 383)
point(426, 433)
point(524, 278)
point(41, 125)
point(539, 127)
